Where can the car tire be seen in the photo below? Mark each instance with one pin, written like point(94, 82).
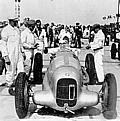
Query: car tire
point(2, 65)
point(109, 99)
point(113, 51)
point(119, 51)
point(21, 95)
point(90, 68)
point(37, 69)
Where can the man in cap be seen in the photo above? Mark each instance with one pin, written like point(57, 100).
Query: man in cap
point(98, 48)
point(10, 38)
point(23, 24)
point(28, 42)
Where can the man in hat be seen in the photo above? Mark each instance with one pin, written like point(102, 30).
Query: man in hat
point(10, 38)
point(98, 48)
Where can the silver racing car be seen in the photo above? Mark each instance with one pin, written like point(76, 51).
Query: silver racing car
point(65, 86)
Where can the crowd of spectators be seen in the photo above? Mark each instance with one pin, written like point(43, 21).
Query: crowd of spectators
point(75, 32)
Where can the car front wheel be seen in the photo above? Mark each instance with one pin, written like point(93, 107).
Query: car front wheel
point(109, 99)
point(21, 95)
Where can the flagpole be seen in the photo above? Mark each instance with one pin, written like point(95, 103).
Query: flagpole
point(17, 8)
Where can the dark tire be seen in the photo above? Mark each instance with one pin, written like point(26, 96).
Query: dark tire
point(37, 69)
point(21, 95)
point(90, 68)
point(113, 51)
point(2, 65)
point(119, 51)
point(109, 97)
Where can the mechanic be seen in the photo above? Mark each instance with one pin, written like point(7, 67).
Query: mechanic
point(28, 44)
point(98, 48)
point(10, 40)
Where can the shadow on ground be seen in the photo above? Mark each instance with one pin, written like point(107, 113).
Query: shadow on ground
point(90, 111)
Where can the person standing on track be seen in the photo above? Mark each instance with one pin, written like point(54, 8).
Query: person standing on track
point(10, 36)
point(98, 48)
point(28, 42)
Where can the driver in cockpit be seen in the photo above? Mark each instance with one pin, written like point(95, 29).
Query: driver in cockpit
point(64, 45)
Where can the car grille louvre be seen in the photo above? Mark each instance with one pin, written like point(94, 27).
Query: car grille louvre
point(66, 92)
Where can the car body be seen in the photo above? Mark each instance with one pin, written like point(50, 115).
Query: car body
point(64, 87)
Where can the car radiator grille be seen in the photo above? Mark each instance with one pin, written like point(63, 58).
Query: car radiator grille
point(66, 92)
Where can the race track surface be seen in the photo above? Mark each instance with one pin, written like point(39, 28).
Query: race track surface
point(7, 106)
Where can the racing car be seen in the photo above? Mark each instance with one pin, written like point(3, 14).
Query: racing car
point(65, 86)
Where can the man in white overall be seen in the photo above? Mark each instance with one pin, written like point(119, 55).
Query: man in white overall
point(12, 54)
point(30, 45)
point(98, 48)
point(28, 42)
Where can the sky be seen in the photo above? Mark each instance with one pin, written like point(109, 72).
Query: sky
point(62, 11)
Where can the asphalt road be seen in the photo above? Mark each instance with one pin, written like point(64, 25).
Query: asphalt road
point(7, 107)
